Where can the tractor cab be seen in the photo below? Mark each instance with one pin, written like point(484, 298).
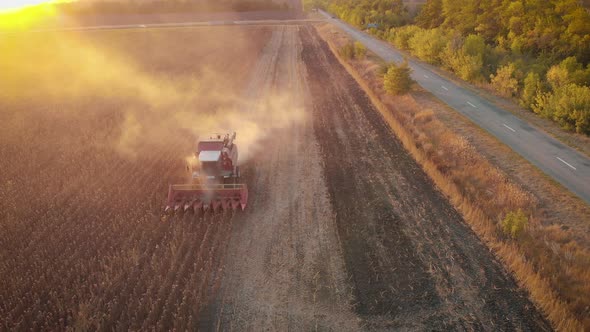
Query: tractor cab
point(217, 156)
point(214, 178)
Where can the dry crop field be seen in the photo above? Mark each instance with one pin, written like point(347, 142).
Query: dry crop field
point(343, 231)
point(92, 130)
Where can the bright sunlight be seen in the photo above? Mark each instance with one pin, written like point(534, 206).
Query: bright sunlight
point(25, 14)
point(12, 5)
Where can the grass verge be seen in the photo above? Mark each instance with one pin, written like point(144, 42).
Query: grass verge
point(551, 257)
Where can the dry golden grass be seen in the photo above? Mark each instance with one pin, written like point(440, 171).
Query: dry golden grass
point(551, 259)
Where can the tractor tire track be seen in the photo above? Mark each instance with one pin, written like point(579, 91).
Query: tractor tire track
point(284, 268)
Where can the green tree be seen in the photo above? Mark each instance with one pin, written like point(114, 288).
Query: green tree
point(576, 72)
point(474, 45)
point(532, 87)
point(428, 45)
point(576, 36)
point(460, 15)
point(430, 15)
point(557, 76)
point(505, 82)
point(398, 79)
point(568, 71)
point(488, 24)
point(400, 37)
point(467, 61)
point(465, 66)
point(568, 105)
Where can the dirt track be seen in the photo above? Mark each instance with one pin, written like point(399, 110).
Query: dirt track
point(345, 231)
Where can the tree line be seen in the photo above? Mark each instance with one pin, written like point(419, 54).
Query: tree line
point(535, 51)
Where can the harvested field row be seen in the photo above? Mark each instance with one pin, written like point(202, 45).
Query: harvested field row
point(386, 239)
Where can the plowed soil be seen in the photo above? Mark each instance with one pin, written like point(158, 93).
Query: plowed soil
point(345, 231)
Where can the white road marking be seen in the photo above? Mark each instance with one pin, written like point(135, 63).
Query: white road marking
point(444, 87)
point(426, 76)
point(565, 162)
point(470, 104)
point(505, 125)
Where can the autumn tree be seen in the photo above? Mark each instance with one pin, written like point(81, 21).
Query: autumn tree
point(398, 79)
point(504, 80)
point(429, 16)
point(531, 50)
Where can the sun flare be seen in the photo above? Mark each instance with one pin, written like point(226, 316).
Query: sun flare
point(25, 14)
point(13, 5)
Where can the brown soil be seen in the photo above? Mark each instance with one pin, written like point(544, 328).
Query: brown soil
point(345, 230)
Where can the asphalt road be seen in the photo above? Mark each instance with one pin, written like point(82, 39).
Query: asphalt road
point(562, 163)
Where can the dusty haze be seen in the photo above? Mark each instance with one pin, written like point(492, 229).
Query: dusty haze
point(59, 73)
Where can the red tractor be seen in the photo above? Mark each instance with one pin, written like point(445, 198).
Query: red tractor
point(214, 175)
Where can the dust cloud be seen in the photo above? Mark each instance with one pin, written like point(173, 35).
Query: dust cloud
point(150, 103)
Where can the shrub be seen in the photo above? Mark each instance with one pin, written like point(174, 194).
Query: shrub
point(569, 105)
point(347, 51)
point(354, 50)
point(568, 71)
point(360, 51)
point(505, 82)
point(397, 80)
point(401, 36)
point(514, 223)
point(428, 45)
point(557, 76)
point(467, 67)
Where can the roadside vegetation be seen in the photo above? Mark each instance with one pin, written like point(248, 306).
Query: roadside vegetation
point(546, 250)
point(397, 79)
point(535, 52)
point(354, 50)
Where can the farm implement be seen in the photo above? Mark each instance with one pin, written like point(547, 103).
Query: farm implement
point(214, 179)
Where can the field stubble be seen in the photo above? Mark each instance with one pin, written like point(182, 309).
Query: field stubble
point(93, 129)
